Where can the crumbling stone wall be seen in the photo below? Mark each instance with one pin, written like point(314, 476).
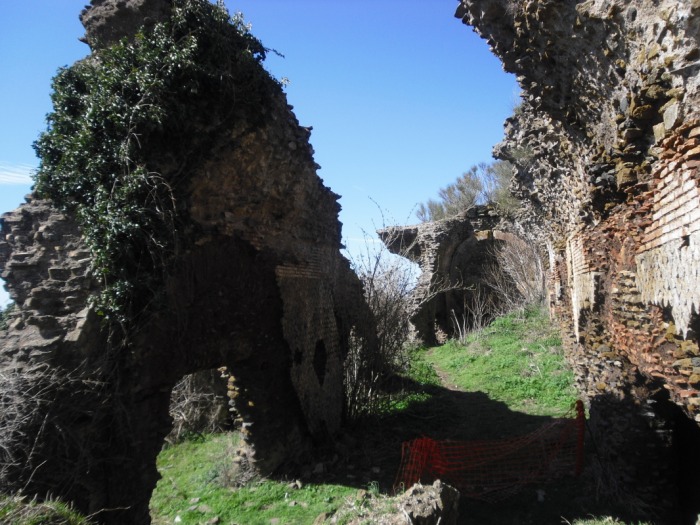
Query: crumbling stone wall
point(605, 145)
point(455, 256)
point(258, 285)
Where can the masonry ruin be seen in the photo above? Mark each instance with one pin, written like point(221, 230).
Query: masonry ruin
point(607, 149)
point(258, 285)
point(457, 259)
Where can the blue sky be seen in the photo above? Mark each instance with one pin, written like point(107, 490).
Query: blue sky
point(402, 96)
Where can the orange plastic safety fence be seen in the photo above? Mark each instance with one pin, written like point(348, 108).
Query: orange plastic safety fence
point(493, 470)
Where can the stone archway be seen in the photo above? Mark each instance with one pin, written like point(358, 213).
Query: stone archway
point(258, 285)
point(456, 258)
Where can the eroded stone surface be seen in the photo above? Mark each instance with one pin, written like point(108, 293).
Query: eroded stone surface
point(454, 256)
point(606, 155)
point(258, 285)
point(107, 21)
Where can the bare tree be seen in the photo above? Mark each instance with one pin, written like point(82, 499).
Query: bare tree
point(388, 282)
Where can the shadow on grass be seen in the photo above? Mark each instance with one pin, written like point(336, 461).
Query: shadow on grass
point(370, 453)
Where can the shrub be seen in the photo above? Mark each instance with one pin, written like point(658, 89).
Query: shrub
point(199, 405)
point(388, 282)
point(128, 125)
point(481, 184)
point(518, 274)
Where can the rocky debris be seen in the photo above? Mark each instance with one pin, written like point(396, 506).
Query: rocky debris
point(430, 505)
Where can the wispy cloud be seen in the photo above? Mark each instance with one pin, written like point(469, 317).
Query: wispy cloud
point(15, 173)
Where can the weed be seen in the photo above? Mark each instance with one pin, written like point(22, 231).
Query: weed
point(17, 510)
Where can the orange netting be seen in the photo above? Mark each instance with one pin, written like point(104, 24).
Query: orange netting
point(493, 470)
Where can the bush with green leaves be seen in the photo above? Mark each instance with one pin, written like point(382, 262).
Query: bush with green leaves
point(129, 124)
point(481, 184)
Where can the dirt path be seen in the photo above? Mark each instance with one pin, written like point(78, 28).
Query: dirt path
point(453, 414)
point(445, 379)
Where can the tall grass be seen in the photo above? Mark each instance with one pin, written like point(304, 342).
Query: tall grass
point(18, 510)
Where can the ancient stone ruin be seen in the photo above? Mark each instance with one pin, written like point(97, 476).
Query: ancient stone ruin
point(607, 149)
point(606, 145)
point(257, 285)
point(455, 256)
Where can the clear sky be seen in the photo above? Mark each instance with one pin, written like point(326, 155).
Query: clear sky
point(401, 95)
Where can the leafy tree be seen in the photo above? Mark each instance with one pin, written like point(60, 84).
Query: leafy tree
point(481, 184)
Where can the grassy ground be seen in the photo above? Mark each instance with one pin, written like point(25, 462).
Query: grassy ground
point(15, 510)
point(517, 359)
point(198, 486)
point(507, 380)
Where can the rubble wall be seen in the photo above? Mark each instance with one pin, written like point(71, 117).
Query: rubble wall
point(606, 148)
point(256, 284)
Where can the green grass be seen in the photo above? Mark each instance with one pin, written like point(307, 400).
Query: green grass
point(420, 375)
point(195, 475)
point(517, 359)
point(16, 510)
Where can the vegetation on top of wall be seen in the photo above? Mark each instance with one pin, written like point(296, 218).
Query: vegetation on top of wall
point(481, 184)
point(128, 125)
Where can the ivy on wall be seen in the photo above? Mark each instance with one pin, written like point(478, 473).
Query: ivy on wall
point(128, 125)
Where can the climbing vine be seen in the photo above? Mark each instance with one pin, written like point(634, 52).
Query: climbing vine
point(129, 123)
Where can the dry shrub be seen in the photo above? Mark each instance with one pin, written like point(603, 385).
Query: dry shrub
point(199, 405)
point(52, 422)
point(388, 282)
point(518, 275)
point(479, 308)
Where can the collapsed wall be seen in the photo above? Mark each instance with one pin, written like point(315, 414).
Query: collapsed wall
point(457, 257)
point(256, 283)
point(607, 148)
